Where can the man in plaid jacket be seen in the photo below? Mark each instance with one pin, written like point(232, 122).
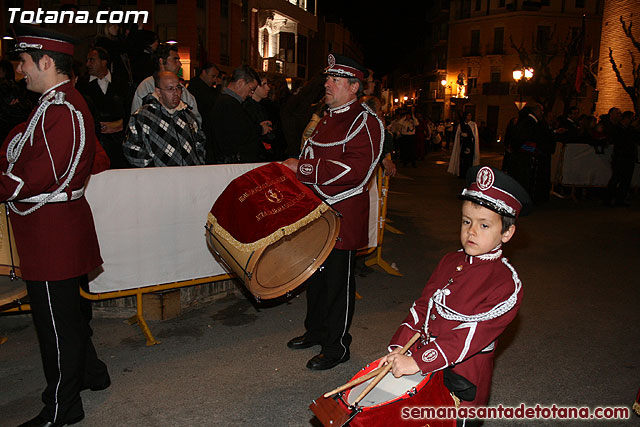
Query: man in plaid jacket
point(164, 131)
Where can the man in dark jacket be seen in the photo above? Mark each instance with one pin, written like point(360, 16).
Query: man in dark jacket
point(110, 98)
point(236, 136)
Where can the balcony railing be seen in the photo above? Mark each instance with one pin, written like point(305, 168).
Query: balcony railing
point(493, 49)
point(471, 51)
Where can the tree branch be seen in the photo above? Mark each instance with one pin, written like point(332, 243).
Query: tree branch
point(626, 88)
point(627, 31)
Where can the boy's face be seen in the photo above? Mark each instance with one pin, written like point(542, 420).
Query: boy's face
point(481, 229)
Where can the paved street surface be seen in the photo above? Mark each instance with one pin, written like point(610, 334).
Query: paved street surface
point(574, 342)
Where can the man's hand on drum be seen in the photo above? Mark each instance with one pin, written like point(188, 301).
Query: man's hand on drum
point(400, 364)
point(292, 164)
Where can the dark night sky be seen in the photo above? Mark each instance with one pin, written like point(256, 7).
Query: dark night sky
point(387, 34)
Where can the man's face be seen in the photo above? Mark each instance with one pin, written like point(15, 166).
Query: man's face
point(574, 115)
point(209, 76)
point(338, 91)
point(615, 115)
point(246, 88)
point(96, 66)
point(481, 229)
point(262, 91)
point(173, 63)
point(169, 92)
point(33, 74)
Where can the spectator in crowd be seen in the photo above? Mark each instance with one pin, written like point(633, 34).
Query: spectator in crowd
point(142, 46)
point(259, 114)
point(201, 87)
point(509, 135)
point(297, 110)
point(407, 139)
point(166, 59)
point(164, 131)
point(110, 98)
point(448, 133)
point(110, 38)
point(421, 139)
point(466, 147)
point(568, 130)
point(623, 160)
point(15, 106)
point(236, 136)
point(532, 144)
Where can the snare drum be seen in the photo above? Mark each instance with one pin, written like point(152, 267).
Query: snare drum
point(391, 401)
point(9, 260)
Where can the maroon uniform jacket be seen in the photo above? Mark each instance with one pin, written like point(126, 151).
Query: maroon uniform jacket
point(471, 286)
point(338, 160)
point(57, 241)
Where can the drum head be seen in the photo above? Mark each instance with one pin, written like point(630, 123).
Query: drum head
point(286, 264)
point(388, 389)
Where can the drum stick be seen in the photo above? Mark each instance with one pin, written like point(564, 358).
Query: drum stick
point(355, 382)
point(385, 370)
point(371, 374)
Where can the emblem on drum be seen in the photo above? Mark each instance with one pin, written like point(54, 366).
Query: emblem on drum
point(306, 169)
point(429, 356)
point(485, 178)
point(273, 196)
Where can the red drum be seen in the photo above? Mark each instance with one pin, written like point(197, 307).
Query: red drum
point(397, 401)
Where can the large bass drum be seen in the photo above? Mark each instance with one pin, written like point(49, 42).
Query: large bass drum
point(270, 266)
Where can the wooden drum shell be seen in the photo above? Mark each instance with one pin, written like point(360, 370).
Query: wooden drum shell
point(278, 268)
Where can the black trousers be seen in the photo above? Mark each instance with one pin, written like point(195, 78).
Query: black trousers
point(331, 293)
point(61, 318)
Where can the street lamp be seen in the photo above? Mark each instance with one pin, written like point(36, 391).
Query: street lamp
point(522, 75)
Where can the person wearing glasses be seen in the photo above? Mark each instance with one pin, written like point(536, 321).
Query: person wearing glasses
point(164, 131)
point(236, 135)
point(166, 59)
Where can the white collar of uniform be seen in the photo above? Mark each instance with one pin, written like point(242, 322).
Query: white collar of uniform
point(342, 108)
point(106, 78)
point(51, 89)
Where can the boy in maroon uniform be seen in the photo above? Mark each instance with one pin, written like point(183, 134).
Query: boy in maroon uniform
point(471, 297)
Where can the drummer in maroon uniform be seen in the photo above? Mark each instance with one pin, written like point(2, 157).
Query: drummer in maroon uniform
point(472, 295)
point(44, 168)
point(337, 162)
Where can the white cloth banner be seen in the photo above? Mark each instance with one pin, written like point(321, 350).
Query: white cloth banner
point(580, 165)
point(150, 223)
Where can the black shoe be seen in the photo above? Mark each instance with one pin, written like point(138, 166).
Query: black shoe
point(301, 342)
point(41, 422)
point(320, 362)
point(98, 387)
